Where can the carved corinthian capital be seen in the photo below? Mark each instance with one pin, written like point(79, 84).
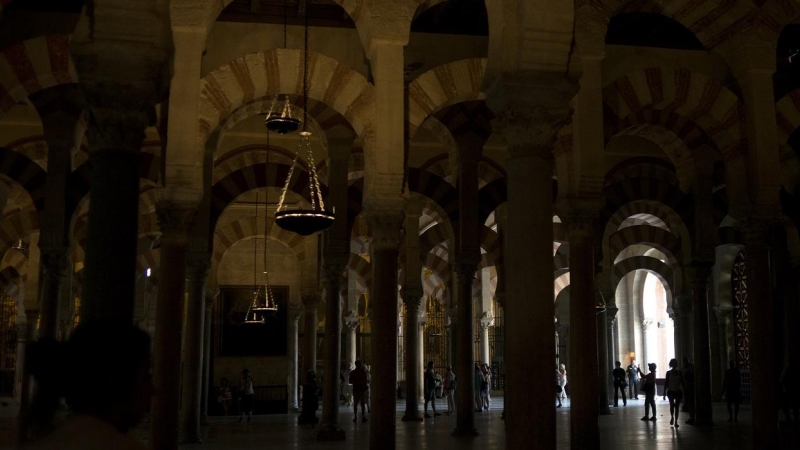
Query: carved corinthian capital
point(385, 227)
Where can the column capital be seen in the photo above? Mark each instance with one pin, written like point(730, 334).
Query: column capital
point(174, 219)
point(698, 274)
point(486, 321)
point(646, 322)
point(310, 300)
point(197, 268)
point(530, 108)
point(412, 295)
point(611, 314)
point(723, 312)
point(752, 49)
point(351, 320)
point(580, 222)
point(465, 268)
point(54, 261)
point(293, 313)
point(333, 269)
point(385, 227)
point(500, 298)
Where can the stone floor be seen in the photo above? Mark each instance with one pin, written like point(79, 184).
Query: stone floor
point(622, 431)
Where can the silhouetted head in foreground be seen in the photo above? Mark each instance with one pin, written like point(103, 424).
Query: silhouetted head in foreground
point(103, 371)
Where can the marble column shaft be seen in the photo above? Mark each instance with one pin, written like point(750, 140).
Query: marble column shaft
point(334, 268)
point(465, 394)
point(310, 304)
point(763, 368)
point(292, 329)
point(174, 220)
point(584, 428)
point(54, 265)
point(192, 379)
point(604, 367)
point(699, 276)
point(412, 298)
point(683, 318)
point(385, 226)
point(207, 376)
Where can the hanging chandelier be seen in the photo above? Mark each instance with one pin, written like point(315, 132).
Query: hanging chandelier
point(255, 313)
point(304, 222)
point(280, 119)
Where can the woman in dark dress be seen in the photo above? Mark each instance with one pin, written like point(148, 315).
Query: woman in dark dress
point(619, 384)
point(308, 414)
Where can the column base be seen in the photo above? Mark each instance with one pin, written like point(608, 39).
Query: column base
point(330, 432)
point(465, 432)
point(412, 417)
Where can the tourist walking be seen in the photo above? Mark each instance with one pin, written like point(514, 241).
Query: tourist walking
point(620, 384)
point(673, 389)
point(486, 386)
point(559, 389)
point(450, 390)
point(247, 395)
point(429, 390)
point(633, 380)
point(732, 391)
point(649, 388)
point(358, 379)
point(478, 375)
point(562, 381)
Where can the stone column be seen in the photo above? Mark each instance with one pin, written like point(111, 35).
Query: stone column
point(763, 367)
point(54, 265)
point(648, 336)
point(351, 322)
point(192, 379)
point(121, 62)
point(452, 330)
point(334, 268)
point(24, 389)
point(530, 109)
point(294, 318)
point(385, 226)
point(173, 219)
point(208, 381)
point(465, 394)
point(683, 319)
point(423, 319)
point(486, 322)
point(310, 304)
point(603, 365)
point(699, 275)
point(583, 344)
point(412, 298)
point(611, 323)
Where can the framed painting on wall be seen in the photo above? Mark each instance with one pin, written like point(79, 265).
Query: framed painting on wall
point(237, 338)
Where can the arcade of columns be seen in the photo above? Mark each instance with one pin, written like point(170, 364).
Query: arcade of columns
point(538, 100)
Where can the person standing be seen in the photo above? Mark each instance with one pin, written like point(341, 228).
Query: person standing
point(450, 390)
point(673, 389)
point(224, 396)
point(358, 379)
point(559, 389)
point(478, 375)
point(308, 414)
point(429, 389)
point(649, 388)
point(562, 381)
point(633, 380)
point(486, 386)
point(732, 390)
point(618, 374)
point(246, 395)
point(688, 389)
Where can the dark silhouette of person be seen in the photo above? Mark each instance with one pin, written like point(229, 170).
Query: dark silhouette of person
point(308, 413)
point(619, 384)
point(673, 388)
point(103, 373)
point(649, 388)
point(358, 378)
point(732, 390)
point(688, 389)
point(430, 390)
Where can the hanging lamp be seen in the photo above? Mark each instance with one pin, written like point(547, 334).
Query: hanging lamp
point(304, 222)
point(269, 300)
point(254, 311)
point(279, 118)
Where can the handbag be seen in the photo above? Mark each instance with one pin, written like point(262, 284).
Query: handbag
point(623, 384)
